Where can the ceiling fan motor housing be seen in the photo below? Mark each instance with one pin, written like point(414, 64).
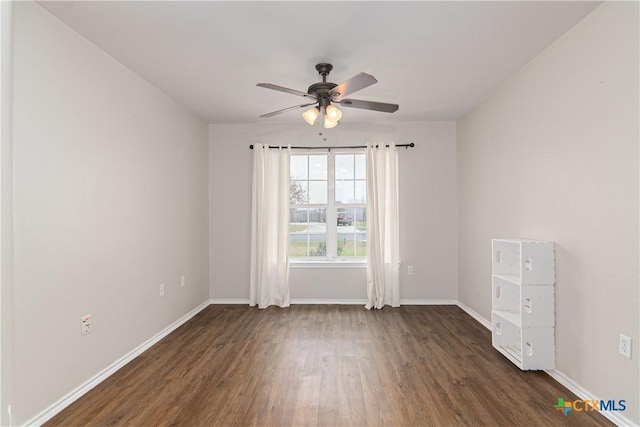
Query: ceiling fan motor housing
point(321, 92)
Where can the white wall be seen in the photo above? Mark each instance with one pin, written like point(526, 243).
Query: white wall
point(6, 224)
point(427, 209)
point(553, 154)
point(110, 200)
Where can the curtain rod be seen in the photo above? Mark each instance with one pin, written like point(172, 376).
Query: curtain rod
point(406, 146)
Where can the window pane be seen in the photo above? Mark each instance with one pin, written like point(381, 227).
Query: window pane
point(298, 245)
point(344, 166)
point(298, 167)
point(298, 219)
point(361, 245)
point(318, 167)
point(318, 192)
point(307, 232)
point(298, 192)
point(352, 232)
point(344, 192)
point(317, 245)
point(318, 221)
point(350, 245)
point(361, 166)
point(346, 245)
point(361, 192)
point(361, 231)
point(345, 218)
point(360, 215)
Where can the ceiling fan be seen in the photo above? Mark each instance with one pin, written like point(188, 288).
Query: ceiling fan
point(321, 96)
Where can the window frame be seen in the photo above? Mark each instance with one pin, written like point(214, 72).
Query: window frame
point(331, 215)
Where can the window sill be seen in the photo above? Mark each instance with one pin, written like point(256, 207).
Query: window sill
point(328, 264)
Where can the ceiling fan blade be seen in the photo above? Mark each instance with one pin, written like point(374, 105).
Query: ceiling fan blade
point(284, 110)
point(286, 90)
point(370, 105)
point(354, 84)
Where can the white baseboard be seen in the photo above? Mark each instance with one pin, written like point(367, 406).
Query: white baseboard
point(303, 301)
point(300, 301)
point(364, 301)
point(76, 394)
point(428, 302)
point(615, 417)
point(230, 301)
point(484, 322)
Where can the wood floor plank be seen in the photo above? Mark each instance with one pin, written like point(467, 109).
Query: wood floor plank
point(323, 365)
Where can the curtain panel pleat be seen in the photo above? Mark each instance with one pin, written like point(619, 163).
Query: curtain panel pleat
point(269, 281)
point(383, 252)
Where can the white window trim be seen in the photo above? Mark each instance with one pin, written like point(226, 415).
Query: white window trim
point(331, 218)
point(322, 263)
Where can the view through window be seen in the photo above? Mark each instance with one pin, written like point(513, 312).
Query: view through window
point(328, 218)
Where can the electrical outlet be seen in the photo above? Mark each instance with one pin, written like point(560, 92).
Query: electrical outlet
point(183, 281)
point(625, 346)
point(85, 325)
point(410, 270)
point(161, 292)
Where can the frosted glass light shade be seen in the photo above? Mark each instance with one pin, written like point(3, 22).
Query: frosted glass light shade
point(328, 123)
point(333, 114)
point(311, 115)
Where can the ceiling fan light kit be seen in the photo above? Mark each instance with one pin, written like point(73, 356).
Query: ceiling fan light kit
point(332, 113)
point(311, 115)
point(328, 124)
point(325, 93)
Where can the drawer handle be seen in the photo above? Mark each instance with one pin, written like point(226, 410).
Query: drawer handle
point(528, 305)
point(529, 349)
point(528, 263)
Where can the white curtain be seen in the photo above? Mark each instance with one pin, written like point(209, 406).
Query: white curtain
point(383, 259)
point(270, 227)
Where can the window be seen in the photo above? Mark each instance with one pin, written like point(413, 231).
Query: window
point(328, 218)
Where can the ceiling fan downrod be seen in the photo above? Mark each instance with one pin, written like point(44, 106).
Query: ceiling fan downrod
point(322, 89)
point(324, 69)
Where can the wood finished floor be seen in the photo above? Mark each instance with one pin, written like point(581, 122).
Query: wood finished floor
point(322, 365)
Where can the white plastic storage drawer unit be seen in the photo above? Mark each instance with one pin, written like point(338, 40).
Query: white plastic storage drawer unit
point(523, 308)
point(527, 348)
point(527, 306)
point(529, 262)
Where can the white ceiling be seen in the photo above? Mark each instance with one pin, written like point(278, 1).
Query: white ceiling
point(438, 60)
